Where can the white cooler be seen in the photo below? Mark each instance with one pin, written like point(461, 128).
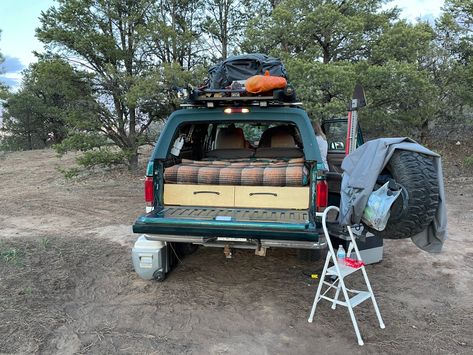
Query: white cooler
point(149, 258)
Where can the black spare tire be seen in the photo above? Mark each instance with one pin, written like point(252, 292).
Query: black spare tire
point(415, 209)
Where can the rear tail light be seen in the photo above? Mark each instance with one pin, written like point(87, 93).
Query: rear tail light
point(322, 195)
point(149, 192)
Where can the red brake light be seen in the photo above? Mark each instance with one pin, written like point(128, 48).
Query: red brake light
point(322, 194)
point(149, 190)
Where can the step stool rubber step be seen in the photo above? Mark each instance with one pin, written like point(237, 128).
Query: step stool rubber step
point(344, 270)
point(360, 297)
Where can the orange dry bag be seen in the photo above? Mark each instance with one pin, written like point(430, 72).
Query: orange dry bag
point(261, 83)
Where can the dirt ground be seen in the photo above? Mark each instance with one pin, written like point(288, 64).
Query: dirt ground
point(67, 284)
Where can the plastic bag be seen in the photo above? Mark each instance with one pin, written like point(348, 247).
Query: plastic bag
point(377, 210)
point(354, 263)
point(262, 83)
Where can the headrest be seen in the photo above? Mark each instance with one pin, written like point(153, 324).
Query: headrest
point(230, 138)
point(283, 137)
point(282, 140)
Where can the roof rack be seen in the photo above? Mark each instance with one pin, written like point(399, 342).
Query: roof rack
point(217, 97)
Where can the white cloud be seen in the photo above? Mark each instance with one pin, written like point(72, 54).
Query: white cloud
point(413, 9)
point(11, 65)
point(12, 80)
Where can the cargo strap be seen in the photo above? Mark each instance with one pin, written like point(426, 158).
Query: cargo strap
point(339, 272)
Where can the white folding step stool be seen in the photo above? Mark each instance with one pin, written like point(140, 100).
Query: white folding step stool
point(341, 271)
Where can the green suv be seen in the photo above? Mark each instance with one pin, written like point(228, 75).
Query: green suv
point(236, 177)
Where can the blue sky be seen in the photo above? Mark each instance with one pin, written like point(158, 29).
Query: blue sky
point(19, 18)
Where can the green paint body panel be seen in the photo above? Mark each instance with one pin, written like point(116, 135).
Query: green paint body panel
point(150, 168)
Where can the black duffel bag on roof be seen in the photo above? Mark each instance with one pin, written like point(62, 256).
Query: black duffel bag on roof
point(241, 67)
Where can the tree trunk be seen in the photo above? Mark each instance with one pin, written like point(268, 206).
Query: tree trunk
point(133, 161)
point(424, 131)
point(326, 52)
point(30, 143)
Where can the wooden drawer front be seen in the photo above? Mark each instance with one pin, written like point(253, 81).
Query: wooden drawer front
point(199, 195)
point(272, 197)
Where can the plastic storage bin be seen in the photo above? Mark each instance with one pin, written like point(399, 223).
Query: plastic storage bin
point(149, 258)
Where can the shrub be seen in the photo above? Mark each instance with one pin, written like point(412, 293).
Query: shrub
point(469, 161)
point(102, 157)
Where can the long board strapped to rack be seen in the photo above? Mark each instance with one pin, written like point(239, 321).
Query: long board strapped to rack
point(216, 97)
point(358, 101)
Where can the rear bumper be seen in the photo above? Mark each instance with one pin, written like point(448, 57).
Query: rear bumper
point(242, 243)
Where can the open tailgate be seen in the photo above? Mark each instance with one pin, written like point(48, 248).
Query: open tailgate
point(229, 222)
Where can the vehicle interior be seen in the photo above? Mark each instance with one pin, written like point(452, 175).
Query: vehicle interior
point(240, 140)
point(229, 156)
point(335, 130)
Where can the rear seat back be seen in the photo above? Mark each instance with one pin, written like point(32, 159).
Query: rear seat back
point(278, 142)
point(230, 153)
point(230, 144)
point(278, 153)
point(282, 140)
point(283, 134)
point(230, 138)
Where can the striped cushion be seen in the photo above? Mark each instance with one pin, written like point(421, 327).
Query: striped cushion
point(239, 172)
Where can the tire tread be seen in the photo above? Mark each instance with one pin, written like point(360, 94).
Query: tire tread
point(416, 172)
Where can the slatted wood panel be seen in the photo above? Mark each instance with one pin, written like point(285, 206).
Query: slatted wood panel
point(238, 214)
